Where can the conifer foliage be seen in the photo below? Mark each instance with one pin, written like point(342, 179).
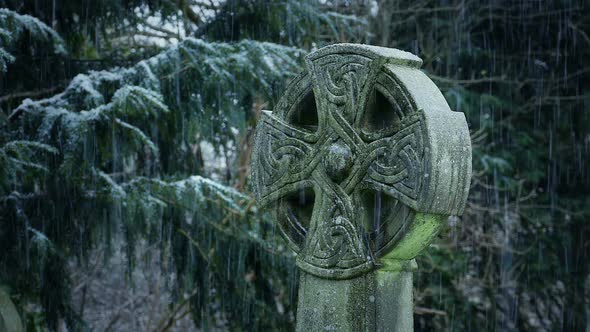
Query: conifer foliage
point(13, 26)
point(115, 152)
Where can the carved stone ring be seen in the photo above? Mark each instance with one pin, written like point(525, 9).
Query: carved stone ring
point(360, 155)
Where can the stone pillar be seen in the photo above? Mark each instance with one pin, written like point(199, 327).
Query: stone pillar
point(394, 307)
point(9, 319)
point(361, 161)
point(380, 300)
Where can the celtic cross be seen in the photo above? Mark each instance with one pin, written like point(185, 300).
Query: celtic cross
point(362, 161)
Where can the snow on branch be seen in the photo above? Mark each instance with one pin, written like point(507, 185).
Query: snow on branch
point(13, 25)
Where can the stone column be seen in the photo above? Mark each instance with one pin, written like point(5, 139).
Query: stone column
point(9, 319)
point(380, 300)
point(361, 161)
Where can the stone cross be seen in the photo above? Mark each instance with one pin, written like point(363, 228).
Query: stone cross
point(361, 161)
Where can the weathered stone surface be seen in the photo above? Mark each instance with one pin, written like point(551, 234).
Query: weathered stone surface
point(9, 319)
point(376, 301)
point(362, 161)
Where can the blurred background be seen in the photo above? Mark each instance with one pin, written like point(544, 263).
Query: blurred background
point(126, 129)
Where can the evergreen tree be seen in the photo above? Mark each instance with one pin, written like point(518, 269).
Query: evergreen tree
point(518, 259)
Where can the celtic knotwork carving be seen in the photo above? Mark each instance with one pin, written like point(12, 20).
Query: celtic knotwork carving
point(345, 159)
point(398, 160)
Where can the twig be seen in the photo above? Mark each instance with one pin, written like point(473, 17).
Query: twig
point(119, 309)
point(166, 322)
point(29, 94)
point(196, 244)
point(423, 311)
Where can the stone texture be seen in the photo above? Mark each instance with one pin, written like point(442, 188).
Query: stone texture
point(9, 319)
point(376, 301)
point(361, 161)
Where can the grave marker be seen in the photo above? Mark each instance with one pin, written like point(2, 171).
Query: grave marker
point(361, 161)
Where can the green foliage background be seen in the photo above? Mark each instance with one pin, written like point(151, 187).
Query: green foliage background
point(101, 133)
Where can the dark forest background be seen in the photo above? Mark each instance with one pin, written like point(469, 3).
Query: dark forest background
point(125, 133)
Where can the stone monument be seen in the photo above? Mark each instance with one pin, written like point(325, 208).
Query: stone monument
point(361, 161)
